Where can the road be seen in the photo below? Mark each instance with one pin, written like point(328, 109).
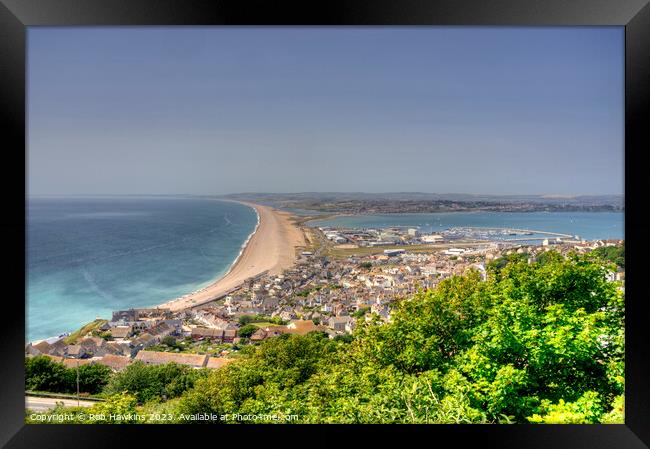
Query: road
point(40, 404)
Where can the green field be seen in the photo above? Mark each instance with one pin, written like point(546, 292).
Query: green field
point(264, 324)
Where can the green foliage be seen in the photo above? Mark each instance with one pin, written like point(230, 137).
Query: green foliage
point(536, 342)
point(170, 341)
point(92, 377)
point(497, 264)
point(106, 335)
point(119, 405)
point(155, 382)
point(548, 257)
point(116, 409)
point(247, 330)
point(84, 330)
point(268, 380)
point(428, 329)
point(617, 414)
point(60, 414)
point(614, 254)
point(361, 312)
point(587, 409)
point(345, 338)
point(277, 320)
point(540, 342)
point(247, 319)
point(43, 374)
point(365, 265)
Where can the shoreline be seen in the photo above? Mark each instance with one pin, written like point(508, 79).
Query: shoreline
point(271, 247)
point(278, 239)
point(235, 273)
point(230, 267)
point(335, 215)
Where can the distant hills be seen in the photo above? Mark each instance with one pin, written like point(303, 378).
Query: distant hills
point(400, 202)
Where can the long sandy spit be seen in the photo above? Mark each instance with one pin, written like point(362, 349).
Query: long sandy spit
point(272, 248)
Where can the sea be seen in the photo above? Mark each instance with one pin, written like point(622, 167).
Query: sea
point(89, 256)
point(587, 225)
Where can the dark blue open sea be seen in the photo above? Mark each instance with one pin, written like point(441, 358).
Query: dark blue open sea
point(89, 256)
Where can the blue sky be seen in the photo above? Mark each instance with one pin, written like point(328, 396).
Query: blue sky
point(211, 110)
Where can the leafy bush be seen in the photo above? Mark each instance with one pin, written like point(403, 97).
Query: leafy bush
point(587, 409)
point(247, 319)
point(43, 374)
point(247, 330)
point(92, 377)
point(170, 342)
point(534, 343)
point(540, 342)
point(614, 254)
point(268, 378)
point(147, 382)
point(116, 409)
point(361, 312)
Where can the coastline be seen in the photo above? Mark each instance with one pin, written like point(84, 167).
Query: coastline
point(230, 267)
point(279, 241)
point(271, 247)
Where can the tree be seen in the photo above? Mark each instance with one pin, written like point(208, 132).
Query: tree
point(247, 330)
point(614, 254)
point(497, 264)
point(267, 381)
point(345, 338)
point(361, 312)
point(245, 319)
point(43, 374)
point(547, 257)
point(535, 342)
point(147, 382)
point(277, 320)
point(92, 377)
point(170, 341)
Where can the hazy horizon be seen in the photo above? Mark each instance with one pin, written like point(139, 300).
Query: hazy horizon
point(225, 110)
point(321, 192)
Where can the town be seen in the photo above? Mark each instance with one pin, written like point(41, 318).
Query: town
point(344, 275)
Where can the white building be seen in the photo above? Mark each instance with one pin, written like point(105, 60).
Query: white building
point(433, 238)
point(454, 251)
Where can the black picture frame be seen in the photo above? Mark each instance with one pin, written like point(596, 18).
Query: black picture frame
point(16, 15)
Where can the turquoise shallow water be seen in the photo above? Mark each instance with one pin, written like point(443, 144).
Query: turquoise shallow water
point(588, 225)
point(89, 256)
